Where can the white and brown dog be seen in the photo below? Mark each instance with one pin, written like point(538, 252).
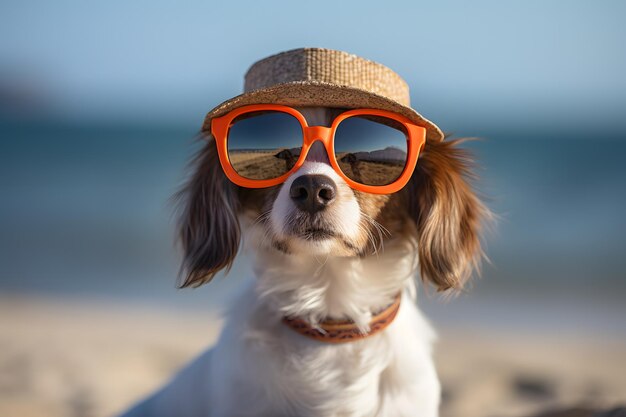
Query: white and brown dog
point(322, 252)
point(328, 326)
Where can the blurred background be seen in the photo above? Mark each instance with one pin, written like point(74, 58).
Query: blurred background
point(99, 106)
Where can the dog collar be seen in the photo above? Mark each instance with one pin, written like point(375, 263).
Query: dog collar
point(342, 331)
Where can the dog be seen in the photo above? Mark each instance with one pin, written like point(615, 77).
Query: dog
point(347, 254)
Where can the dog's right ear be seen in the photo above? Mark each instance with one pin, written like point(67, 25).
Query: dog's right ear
point(208, 228)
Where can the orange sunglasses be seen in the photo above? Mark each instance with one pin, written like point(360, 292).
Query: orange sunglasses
point(415, 138)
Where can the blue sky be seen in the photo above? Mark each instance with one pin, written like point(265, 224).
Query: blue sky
point(479, 63)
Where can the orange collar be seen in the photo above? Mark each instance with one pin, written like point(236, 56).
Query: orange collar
point(342, 331)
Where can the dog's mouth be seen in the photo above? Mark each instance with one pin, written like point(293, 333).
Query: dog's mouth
point(311, 228)
point(316, 234)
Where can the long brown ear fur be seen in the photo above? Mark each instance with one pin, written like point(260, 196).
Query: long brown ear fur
point(447, 213)
point(208, 228)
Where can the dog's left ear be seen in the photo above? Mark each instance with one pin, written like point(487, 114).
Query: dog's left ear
point(448, 214)
point(208, 228)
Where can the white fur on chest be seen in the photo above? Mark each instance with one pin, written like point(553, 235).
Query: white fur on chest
point(260, 367)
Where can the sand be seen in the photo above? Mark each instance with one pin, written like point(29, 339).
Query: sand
point(79, 358)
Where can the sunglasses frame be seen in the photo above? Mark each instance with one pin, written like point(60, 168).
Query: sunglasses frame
point(415, 136)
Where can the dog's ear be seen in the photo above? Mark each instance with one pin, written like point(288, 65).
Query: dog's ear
point(448, 214)
point(208, 228)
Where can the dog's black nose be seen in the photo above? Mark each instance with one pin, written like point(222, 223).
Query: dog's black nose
point(313, 193)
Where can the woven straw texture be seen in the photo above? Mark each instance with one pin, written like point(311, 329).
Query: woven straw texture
point(328, 66)
point(325, 77)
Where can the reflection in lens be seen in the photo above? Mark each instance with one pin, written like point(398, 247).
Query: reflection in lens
point(371, 150)
point(264, 145)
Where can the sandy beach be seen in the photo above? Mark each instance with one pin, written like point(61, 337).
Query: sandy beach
point(77, 358)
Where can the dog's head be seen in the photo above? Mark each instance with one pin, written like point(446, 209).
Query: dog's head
point(316, 213)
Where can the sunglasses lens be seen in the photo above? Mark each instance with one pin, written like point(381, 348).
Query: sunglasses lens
point(371, 150)
point(264, 145)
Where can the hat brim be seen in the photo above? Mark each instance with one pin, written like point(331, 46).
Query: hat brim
point(316, 93)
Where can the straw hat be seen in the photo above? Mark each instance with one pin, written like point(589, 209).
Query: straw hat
point(325, 77)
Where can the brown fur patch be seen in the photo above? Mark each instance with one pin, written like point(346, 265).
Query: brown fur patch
point(448, 214)
point(208, 228)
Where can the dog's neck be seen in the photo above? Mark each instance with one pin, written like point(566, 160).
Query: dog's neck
point(318, 288)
